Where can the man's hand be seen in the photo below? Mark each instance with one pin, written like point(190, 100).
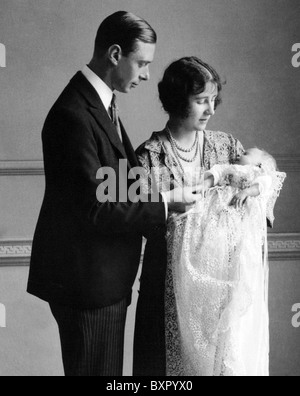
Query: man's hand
point(181, 199)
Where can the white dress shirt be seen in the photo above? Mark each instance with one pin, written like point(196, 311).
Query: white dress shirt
point(103, 90)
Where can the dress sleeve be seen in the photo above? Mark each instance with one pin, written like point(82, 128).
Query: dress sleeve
point(237, 149)
point(146, 181)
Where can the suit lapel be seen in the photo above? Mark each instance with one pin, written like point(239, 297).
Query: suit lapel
point(98, 111)
point(101, 116)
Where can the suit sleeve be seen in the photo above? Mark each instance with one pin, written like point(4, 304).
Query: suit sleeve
point(71, 165)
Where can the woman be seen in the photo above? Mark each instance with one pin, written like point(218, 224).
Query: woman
point(178, 155)
point(203, 307)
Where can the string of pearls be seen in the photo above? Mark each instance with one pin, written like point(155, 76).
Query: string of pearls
point(177, 150)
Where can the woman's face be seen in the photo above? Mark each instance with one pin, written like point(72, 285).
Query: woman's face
point(202, 107)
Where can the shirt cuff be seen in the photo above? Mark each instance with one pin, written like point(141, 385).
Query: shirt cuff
point(166, 204)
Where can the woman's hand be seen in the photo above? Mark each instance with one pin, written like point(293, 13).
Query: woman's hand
point(239, 199)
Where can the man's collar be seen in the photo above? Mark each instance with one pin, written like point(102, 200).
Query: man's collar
point(103, 90)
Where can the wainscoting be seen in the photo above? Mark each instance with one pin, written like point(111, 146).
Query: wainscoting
point(282, 247)
point(35, 167)
point(15, 253)
point(21, 168)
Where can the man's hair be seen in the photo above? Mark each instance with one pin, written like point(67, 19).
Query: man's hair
point(124, 29)
point(183, 79)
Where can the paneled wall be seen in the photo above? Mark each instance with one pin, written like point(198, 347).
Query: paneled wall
point(248, 41)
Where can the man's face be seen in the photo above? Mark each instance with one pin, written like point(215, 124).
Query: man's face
point(133, 68)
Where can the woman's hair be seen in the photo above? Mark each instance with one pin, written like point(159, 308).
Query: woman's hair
point(124, 29)
point(183, 79)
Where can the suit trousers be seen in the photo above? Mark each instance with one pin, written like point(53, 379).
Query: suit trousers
point(92, 340)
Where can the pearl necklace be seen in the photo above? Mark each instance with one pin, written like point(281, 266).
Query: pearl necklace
point(180, 148)
point(175, 149)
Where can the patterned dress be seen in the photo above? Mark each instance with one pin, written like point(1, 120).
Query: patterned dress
point(156, 320)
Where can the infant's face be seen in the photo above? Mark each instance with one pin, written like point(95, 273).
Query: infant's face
point(251, 157)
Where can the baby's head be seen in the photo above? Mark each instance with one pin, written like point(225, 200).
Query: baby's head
point(257, 157)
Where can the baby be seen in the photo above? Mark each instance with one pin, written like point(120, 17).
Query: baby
point(251, 175)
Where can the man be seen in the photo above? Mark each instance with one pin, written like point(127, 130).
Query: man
point(86, 252)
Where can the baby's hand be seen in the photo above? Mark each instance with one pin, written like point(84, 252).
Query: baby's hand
point(239, 199)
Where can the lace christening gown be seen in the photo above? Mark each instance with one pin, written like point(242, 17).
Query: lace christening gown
point(220, 279)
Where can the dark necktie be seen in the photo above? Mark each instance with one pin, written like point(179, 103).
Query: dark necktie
point(115, 116)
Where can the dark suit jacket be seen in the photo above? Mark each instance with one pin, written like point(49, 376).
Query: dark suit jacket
point(86, 253)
